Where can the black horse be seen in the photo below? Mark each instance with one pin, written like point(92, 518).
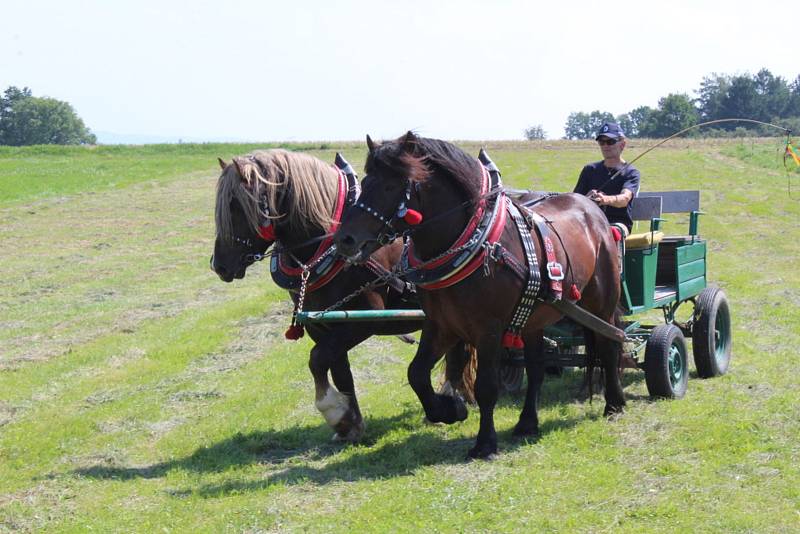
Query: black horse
point(472, 268)
point(296, 201)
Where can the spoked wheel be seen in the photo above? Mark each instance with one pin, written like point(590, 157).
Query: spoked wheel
point(511, 374)
point(666, 363)
point(711, 333)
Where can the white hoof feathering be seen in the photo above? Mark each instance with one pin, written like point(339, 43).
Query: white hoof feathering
point(333, 406)
point(447, 390)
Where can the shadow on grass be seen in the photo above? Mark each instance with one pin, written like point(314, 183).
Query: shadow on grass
point(305, 454)
point(566, 388)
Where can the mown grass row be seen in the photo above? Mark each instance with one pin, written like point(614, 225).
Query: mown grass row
point(140, 393)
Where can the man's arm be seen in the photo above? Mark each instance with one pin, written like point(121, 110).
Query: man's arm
point(616, 201)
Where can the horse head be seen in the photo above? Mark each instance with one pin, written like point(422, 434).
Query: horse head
point(389, 200)
point(244, 227)
point(272, 195)
point(403, 178)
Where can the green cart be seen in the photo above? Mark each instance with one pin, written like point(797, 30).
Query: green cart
point(659, 272)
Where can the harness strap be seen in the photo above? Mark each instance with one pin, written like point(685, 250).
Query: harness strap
point(554, 269)
point(392, 280)
point(513, 338)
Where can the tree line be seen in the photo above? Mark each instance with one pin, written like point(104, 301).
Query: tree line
point(29, 120)
point(763, 97)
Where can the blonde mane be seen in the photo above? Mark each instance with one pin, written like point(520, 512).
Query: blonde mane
point(305, 186)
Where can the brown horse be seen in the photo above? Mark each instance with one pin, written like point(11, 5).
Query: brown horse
point(295, 200)
point(443, 185)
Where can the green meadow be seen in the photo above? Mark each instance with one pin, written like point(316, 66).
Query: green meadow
point(139, 393)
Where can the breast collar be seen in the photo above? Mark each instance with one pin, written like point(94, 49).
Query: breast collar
point(484, 228)
point(324, 263)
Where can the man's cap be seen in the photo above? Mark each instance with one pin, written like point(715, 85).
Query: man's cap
point(610, 129)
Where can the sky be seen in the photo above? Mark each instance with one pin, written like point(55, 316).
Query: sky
point(307, 70)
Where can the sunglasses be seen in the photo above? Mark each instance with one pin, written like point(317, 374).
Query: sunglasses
point(607, 141)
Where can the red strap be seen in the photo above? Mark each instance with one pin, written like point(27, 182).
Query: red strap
point(413, 261)
point(477, 261)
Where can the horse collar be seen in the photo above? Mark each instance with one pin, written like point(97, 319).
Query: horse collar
point(466, 254)
point(323, 265)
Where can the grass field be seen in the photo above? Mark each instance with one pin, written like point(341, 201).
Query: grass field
point(139, 393)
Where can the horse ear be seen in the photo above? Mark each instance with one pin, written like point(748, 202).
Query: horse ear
point(409, 139)
point(370, 144)
point(239, 168)
point(222, 163)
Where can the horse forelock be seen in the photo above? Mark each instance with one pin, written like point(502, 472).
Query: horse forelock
point(296, 188)
point(231, 186)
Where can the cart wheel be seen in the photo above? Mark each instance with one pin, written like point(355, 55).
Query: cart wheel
point(666, 367)
point(711, 334)
point(511, 375)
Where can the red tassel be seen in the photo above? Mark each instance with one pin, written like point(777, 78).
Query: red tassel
point(412, 217)
point(508, 340)
point(294, 332)
point(574, 292)
point(616, 233)
point(267, 233)
point(513, 341)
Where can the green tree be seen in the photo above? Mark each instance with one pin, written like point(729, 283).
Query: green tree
point(675, 112)
point(774, 95)
point(711, 96)
point(793, 106)
point(742, 100)
point(534, 133)
point(633, 121)
point(28, 120)
point(582, 125)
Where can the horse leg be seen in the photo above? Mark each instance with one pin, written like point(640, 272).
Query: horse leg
point(338, 407)
point(351, 426)
point(438, 408)
point(593, 377)
point(611, 354)
point(486, 392)
point(528, 424)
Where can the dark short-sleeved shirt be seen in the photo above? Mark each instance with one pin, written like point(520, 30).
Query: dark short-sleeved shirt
point(594, 175)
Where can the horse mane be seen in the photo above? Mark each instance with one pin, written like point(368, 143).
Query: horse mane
point(297, 188)
point(419, 157)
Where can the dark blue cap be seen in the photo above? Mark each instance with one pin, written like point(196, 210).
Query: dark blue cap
point(610, 129)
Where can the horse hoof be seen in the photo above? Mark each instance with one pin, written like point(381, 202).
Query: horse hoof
point(482, 452)
point(526, 431)
point(352, 434)
point(612, 412)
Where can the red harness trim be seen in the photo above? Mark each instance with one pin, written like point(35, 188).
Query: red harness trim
point(492, 237)
point(325, 245)
point(413, 261)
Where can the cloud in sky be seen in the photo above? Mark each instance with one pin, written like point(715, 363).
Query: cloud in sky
point(321, 70)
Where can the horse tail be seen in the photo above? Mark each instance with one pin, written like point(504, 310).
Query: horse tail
point(459, 371)
point(468, 375)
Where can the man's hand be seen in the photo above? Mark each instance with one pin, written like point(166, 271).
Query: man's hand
point(599, 198)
